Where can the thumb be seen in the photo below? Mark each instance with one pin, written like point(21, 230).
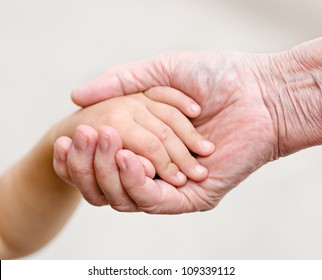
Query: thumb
point(124, 79)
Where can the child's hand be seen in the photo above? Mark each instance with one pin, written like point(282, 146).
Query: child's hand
point(97, 175)
point(151, 129)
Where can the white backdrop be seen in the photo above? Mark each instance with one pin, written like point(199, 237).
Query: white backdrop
point(49, 47)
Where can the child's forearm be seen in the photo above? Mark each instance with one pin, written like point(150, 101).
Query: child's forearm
point(34, 202)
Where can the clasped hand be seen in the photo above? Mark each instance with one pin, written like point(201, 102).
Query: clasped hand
point(245, 119)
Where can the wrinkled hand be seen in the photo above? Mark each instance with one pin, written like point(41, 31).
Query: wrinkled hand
point(234, 116)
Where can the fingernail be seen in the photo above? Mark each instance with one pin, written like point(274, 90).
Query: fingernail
point(80, 142)
point(122, 164)
point(207, 145)
point(194, 108)
point(103, 143)
point(181, 176)
point(199, 169)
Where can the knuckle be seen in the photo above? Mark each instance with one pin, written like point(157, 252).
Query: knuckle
point(78, 169)
point(155, 92)
point(168, 56)
point(175, 115)
point(187, 158)
point(171, 168)
point(150, 92)
point(172, 112)
point(194, 133)
point(101, 168)
point(166, 134)
point(152, 145)
point(192, 136)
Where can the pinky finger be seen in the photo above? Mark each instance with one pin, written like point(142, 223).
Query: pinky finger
point(175, 98)
point(61, 149)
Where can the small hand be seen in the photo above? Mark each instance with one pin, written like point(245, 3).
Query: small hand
point(155, 131)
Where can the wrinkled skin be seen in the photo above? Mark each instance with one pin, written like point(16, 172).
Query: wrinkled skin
point(245, 112)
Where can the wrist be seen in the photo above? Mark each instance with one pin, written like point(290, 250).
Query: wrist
point(291, 86)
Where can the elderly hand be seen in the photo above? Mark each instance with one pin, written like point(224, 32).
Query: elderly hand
point(255, 108)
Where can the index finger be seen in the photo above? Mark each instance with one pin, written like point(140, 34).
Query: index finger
point(175, 98)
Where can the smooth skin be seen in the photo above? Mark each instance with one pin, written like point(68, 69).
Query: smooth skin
point(158, 132)
point(254, 107)
point(35, 203)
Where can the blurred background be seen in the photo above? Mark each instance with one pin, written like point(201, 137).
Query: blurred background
point(49, 47)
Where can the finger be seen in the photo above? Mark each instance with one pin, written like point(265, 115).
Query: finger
point(142, 142)
point(123, 79)
point(61, 149)
point(107, 173)
point(175, 98)
point(151, 196)
point(81, 168)
point(148, 167)
point(182, 128)
point(175, 148)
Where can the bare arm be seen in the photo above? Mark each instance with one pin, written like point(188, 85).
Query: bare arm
point(34, 202)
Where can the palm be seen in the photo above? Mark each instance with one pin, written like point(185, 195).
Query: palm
point(233, 116)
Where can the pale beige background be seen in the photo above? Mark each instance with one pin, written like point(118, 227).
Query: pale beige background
point(48, 47)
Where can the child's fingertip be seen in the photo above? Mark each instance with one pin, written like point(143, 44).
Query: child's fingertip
point(181, 177)
point(200, 170)
point(207, 146)
point(194, 109)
